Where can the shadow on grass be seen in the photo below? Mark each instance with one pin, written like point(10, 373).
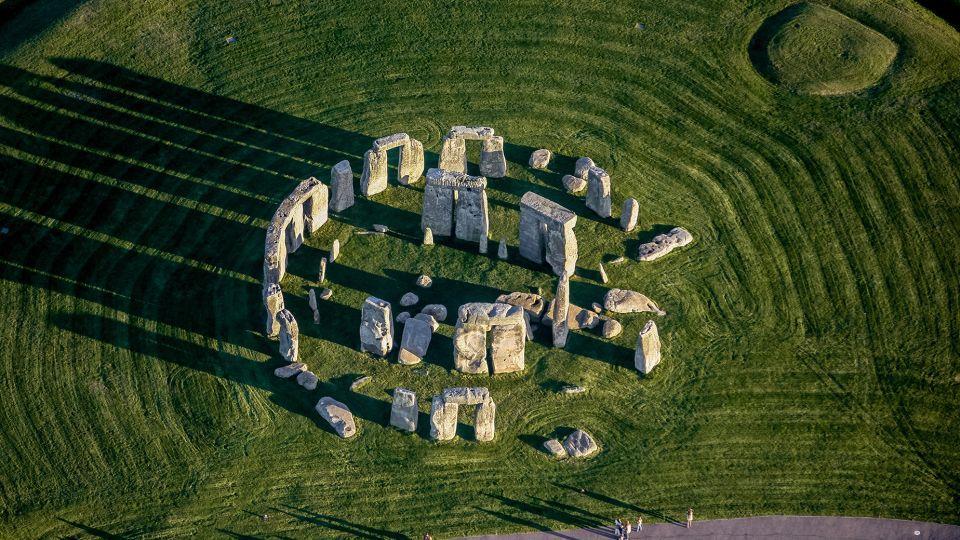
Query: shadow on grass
point(337, 525)
point(98, 533)
point(657, 514)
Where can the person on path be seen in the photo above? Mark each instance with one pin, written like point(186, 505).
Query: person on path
point(639, 523)
point(689, 517)
point(618, 528)
point(427, 537)
point(628, 530)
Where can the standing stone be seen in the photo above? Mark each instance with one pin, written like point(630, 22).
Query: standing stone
point(289, 336)
point(312, 300)
point(629, 214)
point(376, 326)
point(624, 301)
point(341, 187)
point(307, 380)
point(415, 341)
point(443, 419)
point(493, 163)
point(323, 271)
point(664, 243)
point(502, 249)
point(427, 237)
point(546, 233)
point(561, 304)
point(273, 302)
point(338, 415)
point(484, 421)
point(603, 274)
point(411, 162)
point(470, 347)
point(507, 344)
point(648, 348)
point(404, 413)
point(483, 244)
point(598, 191)
point(453, 154)
point(472, 219)
point(582, 167)
point(539, 159)
point(373, 180)
point(334, 251)
point(506, 325)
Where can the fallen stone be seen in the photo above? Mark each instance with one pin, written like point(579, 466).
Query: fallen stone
point(358, 384)
point(334, 251)
point(582, 167)
point(427, 237)
point(572, 390)
point(415, 341)
point(603, 275)
point(624, 301)
point(307, 380)
point(611, 329)
point(554, 448)
point(573, 184)
point(647, 355)
point(629, 214)
point(502, 249)
point(376, 326)
point(579, 444)
point(429, 320)
point(424, 282)
point(326, 294)
point(531, 303)
point(409, 299)
point(380, 228)
point(404, 412)
point(322, 275)
point(539, 159)
point(289, 370)
point(664, 243)
point(402, 317)
point(338, 415)
point(437, 311)
point(577, 317)
point(586, 318)
point(618, 260)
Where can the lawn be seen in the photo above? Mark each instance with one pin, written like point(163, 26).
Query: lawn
point(812, 338)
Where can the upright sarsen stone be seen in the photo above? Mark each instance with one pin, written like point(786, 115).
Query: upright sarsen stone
point(404, 412)
point(561, 305)
point(376, 326)
point(455, 204)
point(443, 419)
point(647, 355)
point(289, 336)
point(493, 163)
point(273, 303)
point(341, 187)
point(546, 233)
point(373, 179)
point(598, 191)
point(629, 214)
point(415, 341)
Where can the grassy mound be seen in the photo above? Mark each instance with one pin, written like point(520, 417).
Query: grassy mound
point(814, 49)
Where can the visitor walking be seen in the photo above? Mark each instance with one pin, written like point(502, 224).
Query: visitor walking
point(689, 517)
point(639, 523)
point(618, 528)
point(427, 537)
point(627, 530)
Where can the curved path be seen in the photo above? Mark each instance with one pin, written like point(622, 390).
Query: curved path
point(772, 527)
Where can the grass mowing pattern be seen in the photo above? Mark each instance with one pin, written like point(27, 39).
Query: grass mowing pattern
point(811, 342)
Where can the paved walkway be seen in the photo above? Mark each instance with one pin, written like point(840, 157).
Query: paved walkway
point(767, 527)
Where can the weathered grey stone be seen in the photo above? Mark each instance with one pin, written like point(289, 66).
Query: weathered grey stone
point(273, 302)
point(307, 380)
point(341, 187)
point(443, 419)
point(448, 194)
point(471, 133)
point(429, 320)
point(573, 184)
point(493, 163)
point(428, 236)
point(582, 167)
point(508, 331)
point(483, 245)
point(376, 326)
point(596, 308)
point(302, 212)
point(540, 159)
point(664, 243)
point(359, 383)
point(531, 303)
point(554, 448)
point(598, 191)
point(603, 274)
point(389, 142)
point(312, 300)
point(289, 336)
point(561, 305)
point(647, 355)
point(611, 329)
point(466, 395)
point(618, 260)
point(322, 275)
point(334, 251)
point(579, 444)
point(629, 214)
point(415, 341)
point(326, 294)
point(373, 179)
point(411, 163)
point(624, 301)
point(437, 311)
point(577, 317)
point(289, 370)
point(484, 421)
point(404, 412)
point(546, 233)
point(424, 282)
point(528, 327)
point(402, 317)
point(338, 415)
point(409, 299)
point(380, 228)
point(453, 154)
point(502, 249)
point(572, 390)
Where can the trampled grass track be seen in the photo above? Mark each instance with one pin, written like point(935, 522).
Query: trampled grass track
point(812, 337)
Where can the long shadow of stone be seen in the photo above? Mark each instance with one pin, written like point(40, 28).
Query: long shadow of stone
point(550, 511)
point(100, 533)
point(334, 523)
point(22, 20)
point(590, 346)
point(617, 502)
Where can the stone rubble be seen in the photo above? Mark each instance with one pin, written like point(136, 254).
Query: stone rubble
point(424, 282)
point(664, 243)
point(611, 329)
point(625, 301)
point(307, 380)
point(289, 370)
point(402, 317)
point(326, 294)
point(409, 299)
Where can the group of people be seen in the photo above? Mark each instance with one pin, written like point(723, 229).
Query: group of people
point(623, 528)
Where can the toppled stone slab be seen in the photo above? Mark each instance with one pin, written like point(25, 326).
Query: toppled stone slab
point(611, 329)
point(307, 380)
point(572, 390)
point(540, 159)
point(573, 184)
point(531, 303)
point(326, 294)
point(424, 282)
point(625, 301)
point(554, 448)
point(437, 311)
point(580, 444)
point(409, 299)
point(603, 274)
point(647, 355)
point(629, 214)
point(289, 370)
point(376, 326)
point(338, 415)
point(358, 384)
point(664, 243)
point(415, 341)
point(404, 412)
point(380, 228)
point(577, 317)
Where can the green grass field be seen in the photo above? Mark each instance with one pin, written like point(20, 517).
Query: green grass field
point(812, 336)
